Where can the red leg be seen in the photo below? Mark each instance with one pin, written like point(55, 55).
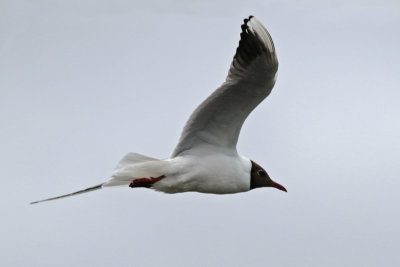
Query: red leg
point(145, 182)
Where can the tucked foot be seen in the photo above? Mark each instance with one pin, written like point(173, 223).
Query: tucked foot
point(145, 182)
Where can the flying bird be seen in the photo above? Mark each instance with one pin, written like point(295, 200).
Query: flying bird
point(205, 159)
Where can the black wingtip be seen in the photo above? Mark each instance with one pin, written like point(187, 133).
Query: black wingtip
point(248, 47)
point(248, 19)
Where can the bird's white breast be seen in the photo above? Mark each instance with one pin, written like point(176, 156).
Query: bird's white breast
point(212, 173)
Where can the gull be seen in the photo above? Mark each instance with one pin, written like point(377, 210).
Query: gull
point(205, 159)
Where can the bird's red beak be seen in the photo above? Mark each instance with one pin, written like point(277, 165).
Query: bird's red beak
point(278, 186)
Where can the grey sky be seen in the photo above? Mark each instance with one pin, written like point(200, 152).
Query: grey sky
point(84, 82)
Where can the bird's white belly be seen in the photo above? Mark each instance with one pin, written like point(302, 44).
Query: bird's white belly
point(215, 173)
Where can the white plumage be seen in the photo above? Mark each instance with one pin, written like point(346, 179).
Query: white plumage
point(205, 158)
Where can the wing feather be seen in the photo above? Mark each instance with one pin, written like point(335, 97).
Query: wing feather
point(218, 120)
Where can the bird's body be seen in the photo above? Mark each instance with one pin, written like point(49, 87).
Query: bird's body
point(214, 173)
point(217, 173)
point(205, 159)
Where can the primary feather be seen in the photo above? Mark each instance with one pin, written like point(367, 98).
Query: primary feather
point(218, 120)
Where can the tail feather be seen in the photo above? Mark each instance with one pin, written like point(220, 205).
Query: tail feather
point(134, 166)
point(93, 188)
point(133, 158)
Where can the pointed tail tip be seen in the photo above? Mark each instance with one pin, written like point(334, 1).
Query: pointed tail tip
point(96, 187)
point(38, 201)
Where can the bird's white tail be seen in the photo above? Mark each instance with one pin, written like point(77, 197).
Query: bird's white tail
point(132, 158)
point(131, 166)
point(134, 166)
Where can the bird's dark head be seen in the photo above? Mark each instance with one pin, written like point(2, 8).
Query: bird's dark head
point(259, 178)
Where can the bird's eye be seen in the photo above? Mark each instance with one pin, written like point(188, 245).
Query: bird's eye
point(261, 172)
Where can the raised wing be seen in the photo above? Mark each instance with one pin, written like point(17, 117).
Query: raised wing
point(218, 120)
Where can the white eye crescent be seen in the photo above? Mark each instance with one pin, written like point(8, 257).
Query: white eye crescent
point(261, 172)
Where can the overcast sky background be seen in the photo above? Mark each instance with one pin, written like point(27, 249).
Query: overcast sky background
point(82, 83)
